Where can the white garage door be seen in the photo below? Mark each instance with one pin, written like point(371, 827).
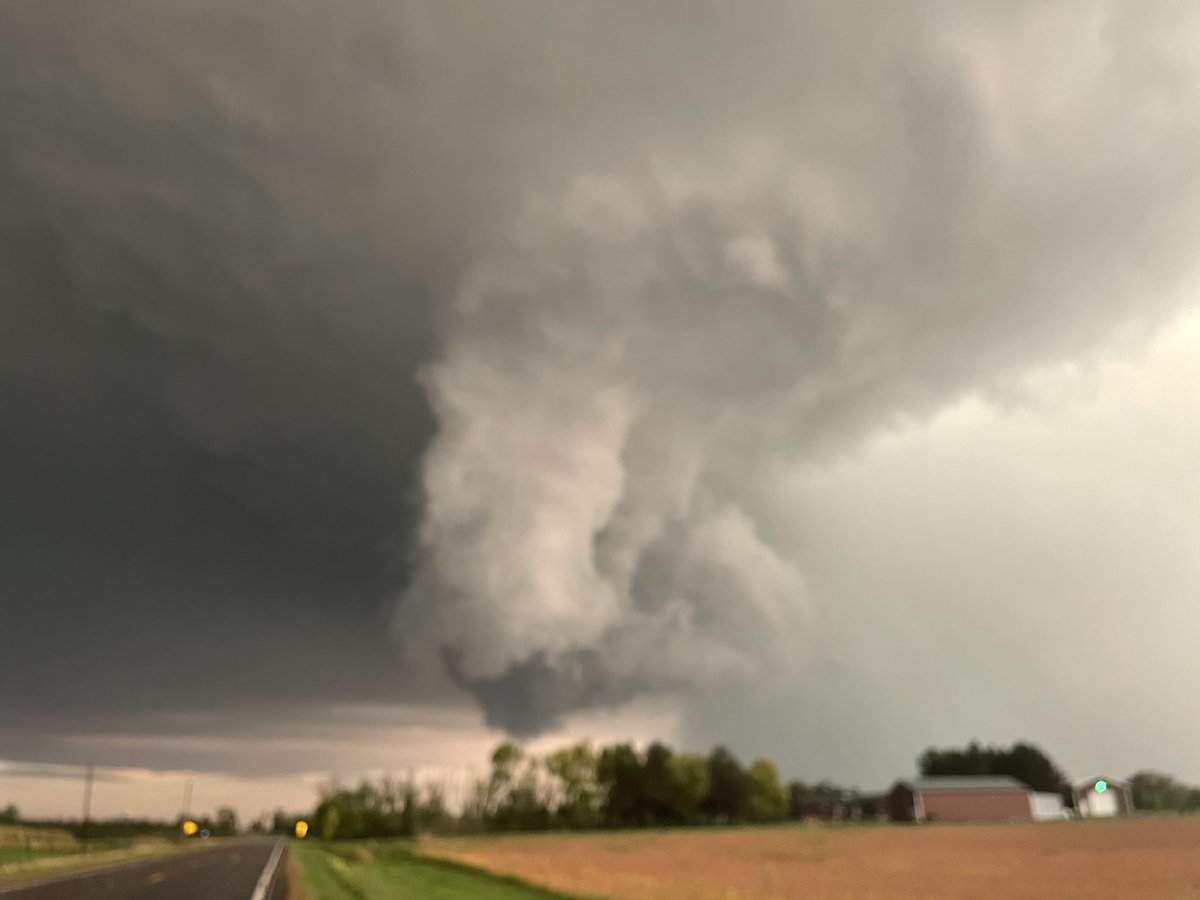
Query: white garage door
point(1102, 804)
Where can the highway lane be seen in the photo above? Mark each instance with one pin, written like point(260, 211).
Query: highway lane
point(249, 871)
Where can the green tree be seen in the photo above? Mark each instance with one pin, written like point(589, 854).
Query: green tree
point(971, 760)
point(475, 810)
point(1030, 764)
point(574, 767)
point(729, 787)
point(1025, 762)
point(434, 815)
point(282, 823)
point(515, 800)
point(410, 809)
point(226, 824)
point(329, 817)
point(389, 794)
point(506, 762)
point(768, 800)
point(619, 773)
point(10, 815)
point(690, 783)
point(658, 794)
point(1191, 803)
point(1158, 791)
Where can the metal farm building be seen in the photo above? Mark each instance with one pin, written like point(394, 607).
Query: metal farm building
point(955, 799)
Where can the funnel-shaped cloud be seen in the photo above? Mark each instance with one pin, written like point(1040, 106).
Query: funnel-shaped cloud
point(626, 369)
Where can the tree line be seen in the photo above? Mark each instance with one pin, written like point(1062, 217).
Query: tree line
point(224, 823)
point(1022, 761)
point(1157, 791)
point(618, 786)
point(575, 788)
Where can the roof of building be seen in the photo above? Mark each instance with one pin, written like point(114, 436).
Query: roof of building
point(965, 783)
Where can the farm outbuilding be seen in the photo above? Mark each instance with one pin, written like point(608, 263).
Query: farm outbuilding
point(846, 807)
point(946, 798)
point(1048, 807)
point(825, 808)
point(1102, 798)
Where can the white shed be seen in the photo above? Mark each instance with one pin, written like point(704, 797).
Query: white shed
point(1103, 798)
point(1048, 807)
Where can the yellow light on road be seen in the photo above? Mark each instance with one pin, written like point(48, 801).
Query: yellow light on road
point(301, 828)
point(190, 828)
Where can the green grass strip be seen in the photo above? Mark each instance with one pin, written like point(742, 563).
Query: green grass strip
point(378, 870)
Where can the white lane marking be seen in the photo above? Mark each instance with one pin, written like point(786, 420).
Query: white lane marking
point(268, 873)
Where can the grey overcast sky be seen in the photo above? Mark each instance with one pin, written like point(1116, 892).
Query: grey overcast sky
point(378, 379)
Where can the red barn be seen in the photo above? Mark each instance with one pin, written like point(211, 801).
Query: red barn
point(949, 798)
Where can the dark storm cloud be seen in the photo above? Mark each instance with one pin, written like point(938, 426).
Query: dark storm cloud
point(608, 266)
point(207, 352)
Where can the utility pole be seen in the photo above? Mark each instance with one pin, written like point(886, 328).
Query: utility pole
point(87, 796)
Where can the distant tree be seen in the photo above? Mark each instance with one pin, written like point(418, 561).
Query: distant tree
point(1159, 791)
point(475, 810)
point(1191, 803)
point(619, 774)
point(10, 815)
point(690, 784)
point(1022, 761)
point(330, 819)
point(282, 823)
point(389, 794)
point(528, 806)
point(433, 813)
point(658, 794)
point(768, 800)
point(1029, 764)
point(728, 787)
point(574, 768)
point(410, 809)
point(515, 800)
point(972, 760)
point(797, 794)
point(506, 762)
point(804, 799)
point(226, 824)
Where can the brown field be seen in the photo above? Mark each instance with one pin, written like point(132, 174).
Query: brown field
point(1129, 858)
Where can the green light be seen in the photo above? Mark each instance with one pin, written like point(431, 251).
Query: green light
point(1101, 787)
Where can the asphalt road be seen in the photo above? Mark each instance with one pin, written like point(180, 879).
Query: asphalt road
point(251, 871)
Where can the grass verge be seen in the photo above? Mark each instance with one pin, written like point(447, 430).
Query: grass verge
point(371, 870)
